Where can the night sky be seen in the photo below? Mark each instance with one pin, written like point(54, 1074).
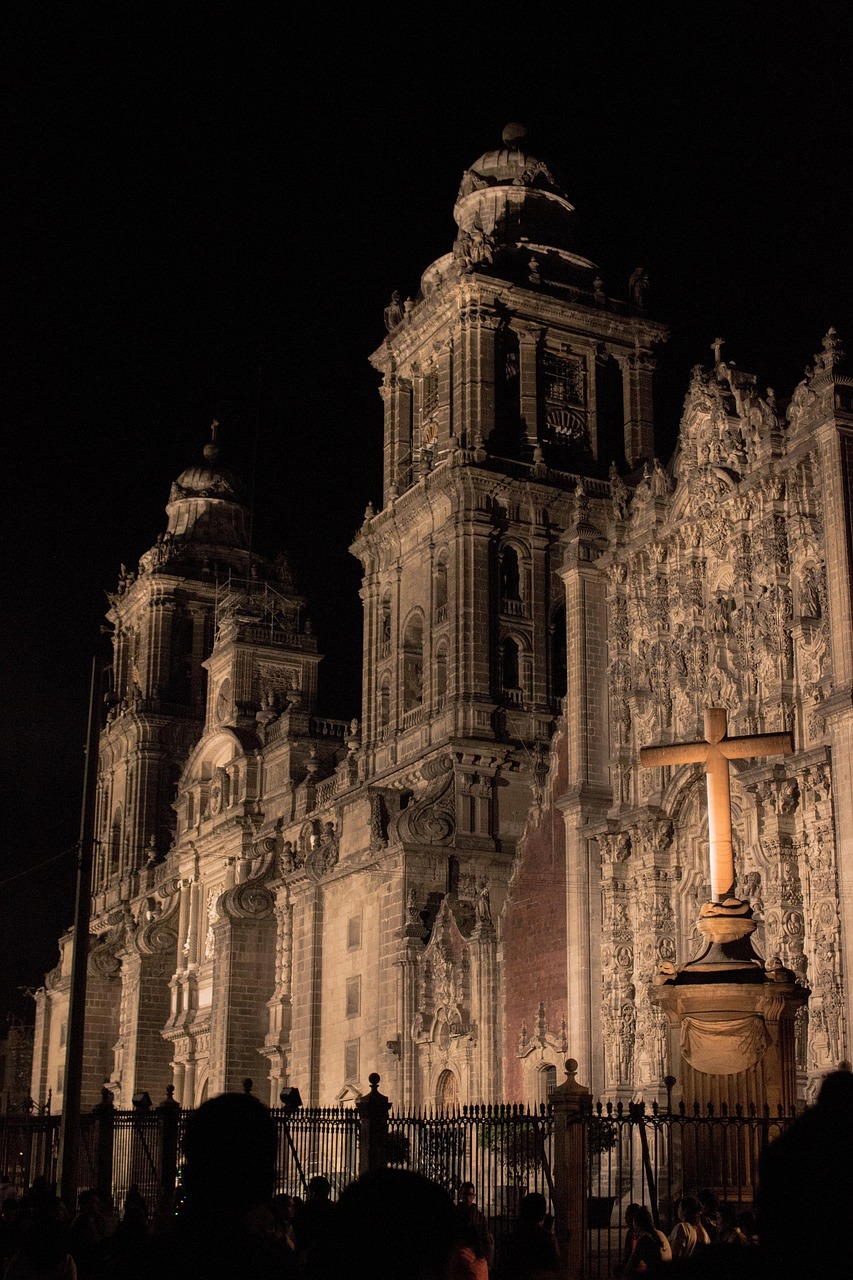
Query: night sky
point(206, 210)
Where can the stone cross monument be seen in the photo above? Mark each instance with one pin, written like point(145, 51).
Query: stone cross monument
point(731, 1015)
point(716, 752)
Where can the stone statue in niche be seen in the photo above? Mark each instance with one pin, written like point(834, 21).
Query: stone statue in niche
point(659, 481)
point(393, 314)
point(809, 594)
point(483, 906)
point(618, 493)
point(638, 287)
point(718, 617)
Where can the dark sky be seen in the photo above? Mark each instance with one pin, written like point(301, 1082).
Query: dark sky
point(205, 213)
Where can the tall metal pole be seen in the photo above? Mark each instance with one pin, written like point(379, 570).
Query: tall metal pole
point(69, 1133)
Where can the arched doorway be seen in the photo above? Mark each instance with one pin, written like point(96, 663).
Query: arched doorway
point(447, 1091)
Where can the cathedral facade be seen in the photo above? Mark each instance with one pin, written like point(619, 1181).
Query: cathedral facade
point(476, 878)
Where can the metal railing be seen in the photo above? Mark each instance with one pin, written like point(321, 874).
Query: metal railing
point(316, 1140)
point(632, 1155)
point(504, 1150)
point(655, 1156)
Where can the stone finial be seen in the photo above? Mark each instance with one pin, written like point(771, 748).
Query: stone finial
point(169, 1103)
point(247, 1084)
point(374, 1104)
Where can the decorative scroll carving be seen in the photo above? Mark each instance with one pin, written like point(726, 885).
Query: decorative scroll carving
point(431, 819)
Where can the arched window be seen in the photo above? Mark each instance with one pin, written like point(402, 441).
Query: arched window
point(559, 677)
point(510, 577)
point(546, 1082)
point(116, 834)
point(440, 589)
point(385, 624)
point(441, 672)
point(385, 702)
point(413, 663)
point(509, 667)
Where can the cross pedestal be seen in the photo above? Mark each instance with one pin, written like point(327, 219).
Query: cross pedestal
point(731, 1015)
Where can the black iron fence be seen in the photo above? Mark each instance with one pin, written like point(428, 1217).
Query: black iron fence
point(631, 1155)
point(505, 1151)
point(654, 1156)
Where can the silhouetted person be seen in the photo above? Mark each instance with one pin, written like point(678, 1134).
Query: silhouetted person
point(127, 1249)
point(709, 1213)
point(10, 1229)
point(391, 1224)
point(651, 1248)
point(43, 1253)
point(688, 1234)
point(467, 1260)
point(472, 1219)
point(531, 1250)
point(87, 1236)
point(728, 1228)
point(228, 1180)
point(314, 1219)
point(630, 1239)
point(805, 1187)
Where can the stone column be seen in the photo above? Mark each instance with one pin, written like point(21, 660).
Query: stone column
point(485, 1073)
point(396, 394)
point(474, 374)
point(588, 792)
point(529, 338)
point(473, 623)
point(637, 370)
point(824, 941)
point(619, 1011)
point(836, 466)
point(572, 1104)
point(243, 977)
point(277, 1043)
point(373, 1116)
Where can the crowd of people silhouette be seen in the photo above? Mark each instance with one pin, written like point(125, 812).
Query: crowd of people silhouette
point(228, 1220)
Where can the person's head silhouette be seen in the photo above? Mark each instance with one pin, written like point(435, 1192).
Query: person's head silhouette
point(229, 1152)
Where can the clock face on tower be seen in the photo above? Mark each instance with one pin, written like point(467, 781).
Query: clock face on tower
point(223, 700)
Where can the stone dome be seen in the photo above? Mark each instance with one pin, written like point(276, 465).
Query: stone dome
point(207, 480)
point(208, 504)
point(510, 198)
point(512, 164)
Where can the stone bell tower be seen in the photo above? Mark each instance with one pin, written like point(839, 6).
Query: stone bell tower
point(511, 384)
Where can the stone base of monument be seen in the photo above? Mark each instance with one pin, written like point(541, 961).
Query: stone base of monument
point(731, 1018)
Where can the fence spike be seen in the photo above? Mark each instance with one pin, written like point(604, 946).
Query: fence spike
point(682, 1108)
point(724, 1108)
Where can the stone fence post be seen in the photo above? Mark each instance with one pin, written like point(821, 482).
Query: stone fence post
point(373, 1127)
point(169, 1112)
point(104, 1114)
point(572, 1104)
